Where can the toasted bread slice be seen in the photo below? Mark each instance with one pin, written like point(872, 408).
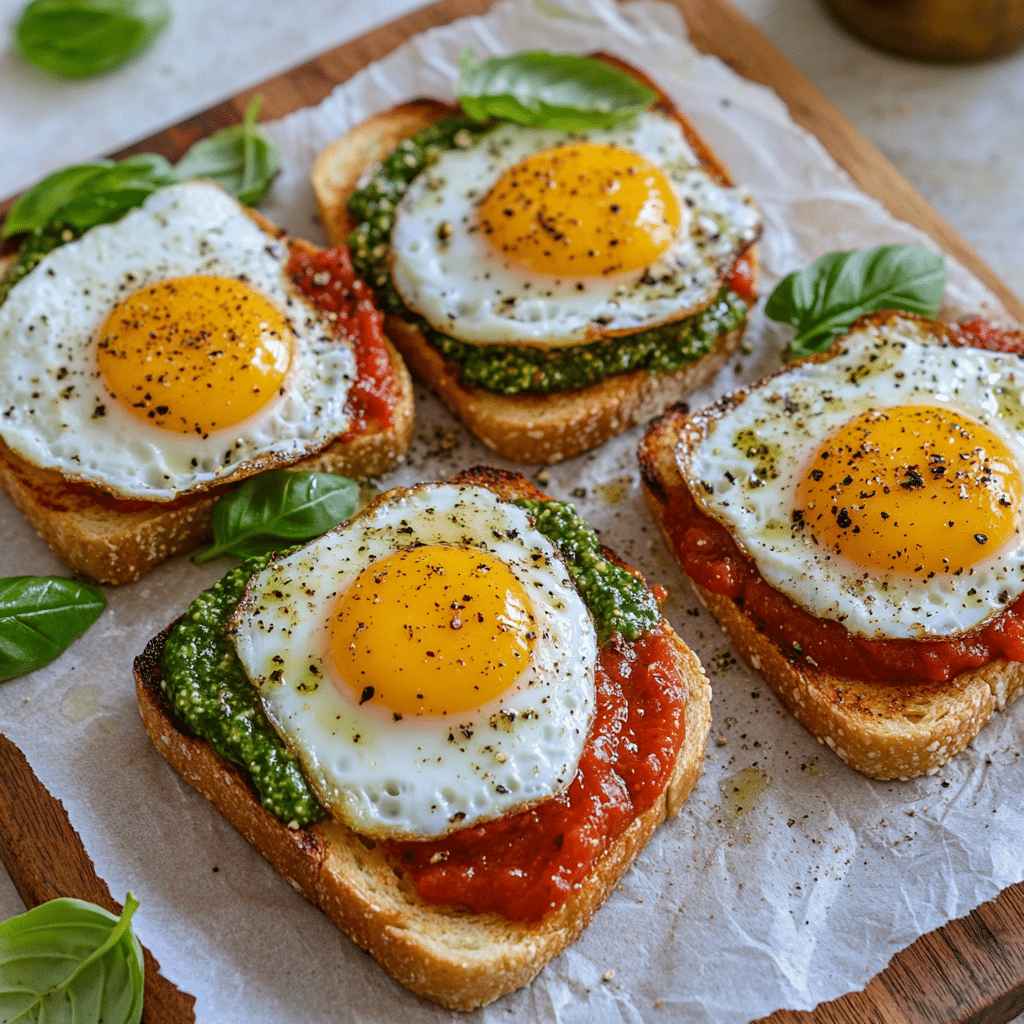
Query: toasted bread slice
point(891, 730)
point(459, 959)
point(525, 427)
point(116, 542)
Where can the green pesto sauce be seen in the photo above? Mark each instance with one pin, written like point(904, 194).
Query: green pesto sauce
point(37, 244)
point(210, 692)
point(516, 369)
point(618, 601)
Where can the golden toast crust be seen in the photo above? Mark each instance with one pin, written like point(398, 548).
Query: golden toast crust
point(452, 957)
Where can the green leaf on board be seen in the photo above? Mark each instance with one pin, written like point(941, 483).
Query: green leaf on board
point(823, 300)
point(39, 618)
point(549, 90)
point(71, 962)
point(278, 506)
point(80, 38)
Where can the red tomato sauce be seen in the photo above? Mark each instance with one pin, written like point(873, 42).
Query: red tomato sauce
point(741, 280)
point(978, 333)
point(711, 558)
point(525, 865)
point(328, 279)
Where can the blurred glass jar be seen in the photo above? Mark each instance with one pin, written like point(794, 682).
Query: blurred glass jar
point(946, 30)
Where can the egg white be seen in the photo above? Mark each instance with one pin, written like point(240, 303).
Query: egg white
point(445, 271)
point(57, 412)
point(878, 367)
point(422, 776)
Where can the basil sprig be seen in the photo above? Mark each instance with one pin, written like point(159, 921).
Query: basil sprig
point(71, 961)
point(824, 299)
point(238, 158)
point(78, 38)
point(549, 90)
point(39, 618)
point(84, 195)
point(278, 506)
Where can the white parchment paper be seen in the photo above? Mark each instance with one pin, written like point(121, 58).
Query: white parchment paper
point(787, 879)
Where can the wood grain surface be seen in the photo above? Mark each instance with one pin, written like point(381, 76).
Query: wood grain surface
point(971, 970)
point(46, 860)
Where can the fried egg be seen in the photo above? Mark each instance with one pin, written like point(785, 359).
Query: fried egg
point(881, 488)
point(167, 351)
point(431, 662)
point(534, 235)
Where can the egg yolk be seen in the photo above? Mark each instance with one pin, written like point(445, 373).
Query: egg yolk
point(582, 210)
point(194, 354)
point(916, 490)
point(432, 630)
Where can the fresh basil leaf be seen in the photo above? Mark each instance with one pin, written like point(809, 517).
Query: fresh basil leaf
point(38, 207)
point(88, 211)
point(84, 195)
point(278, 506)
point(39, 618)
point(823, 300)
point(70, 961)
point(78, 38)
point(549, 90)
point(239, 158)
point(143, 170)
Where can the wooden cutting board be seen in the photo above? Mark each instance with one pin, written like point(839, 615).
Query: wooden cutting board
point(971, 970)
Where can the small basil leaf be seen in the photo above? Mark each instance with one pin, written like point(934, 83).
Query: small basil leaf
point(39, 618)
point(78, 38)
point(38, 207)
point(824, 299)
point(278, 506)
point(88, 211)
point(88, 194)
point(549, 90)
point(71, 961)
point(238, 158)
point(142, 169)
point(84, 195)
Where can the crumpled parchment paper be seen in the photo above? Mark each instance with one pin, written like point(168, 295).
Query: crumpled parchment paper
point(787, 879)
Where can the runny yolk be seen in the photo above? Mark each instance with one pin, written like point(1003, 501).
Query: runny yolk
point(194, 354)
point(916, 490)
point(581, 210)
point(432, 630)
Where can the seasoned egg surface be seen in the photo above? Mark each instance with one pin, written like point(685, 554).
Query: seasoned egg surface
point(880, 489)
point(430, 662)
point(167, 351)
point(543, 236)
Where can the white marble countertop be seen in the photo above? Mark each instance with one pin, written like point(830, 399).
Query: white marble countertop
point(953, 131)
